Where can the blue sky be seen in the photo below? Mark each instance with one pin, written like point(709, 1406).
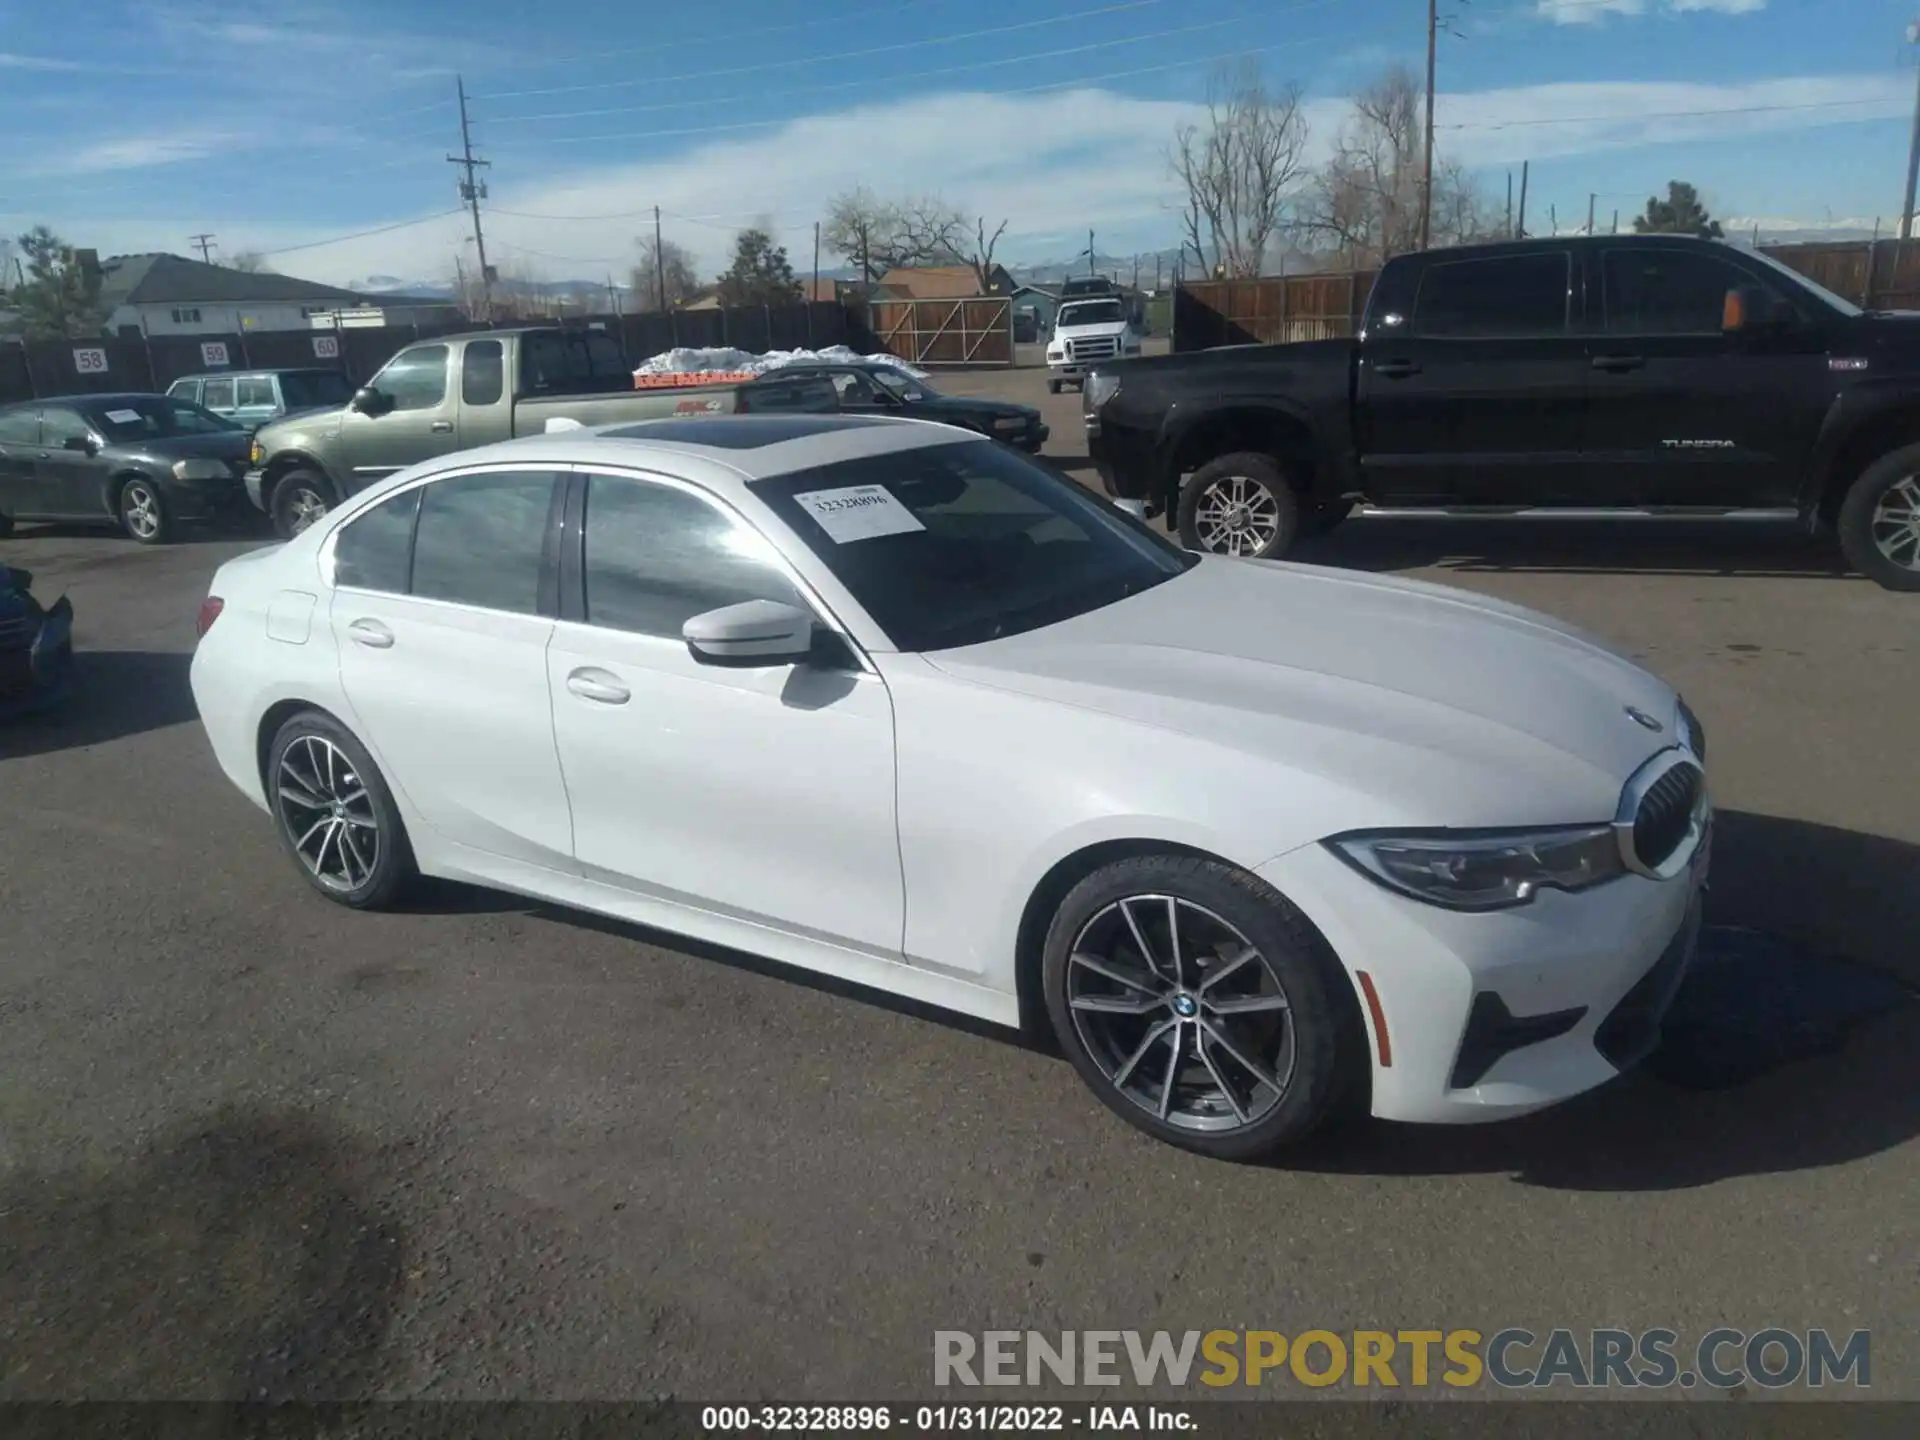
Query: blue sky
point(281, 126)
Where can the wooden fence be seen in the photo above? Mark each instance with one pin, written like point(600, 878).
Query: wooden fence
point(973, 331)
point(1282, 309)
point(131, 362)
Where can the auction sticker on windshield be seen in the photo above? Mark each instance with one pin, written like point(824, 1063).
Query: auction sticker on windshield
point(124, 417)
point(858, 512)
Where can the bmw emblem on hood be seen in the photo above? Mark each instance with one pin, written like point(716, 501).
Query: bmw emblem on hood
point(1642, 719)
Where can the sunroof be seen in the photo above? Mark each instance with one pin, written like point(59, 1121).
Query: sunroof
point(740, 432)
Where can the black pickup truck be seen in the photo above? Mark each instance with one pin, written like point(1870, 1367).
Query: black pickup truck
point(1639, 374)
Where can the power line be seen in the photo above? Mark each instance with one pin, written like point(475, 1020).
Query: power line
point(715, 38)
point(363, 234)
point(991, 30)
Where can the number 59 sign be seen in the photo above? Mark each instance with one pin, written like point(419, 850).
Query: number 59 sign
point(89, 360)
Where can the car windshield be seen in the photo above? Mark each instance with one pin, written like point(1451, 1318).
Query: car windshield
point(958, 544)
point(1092, 312)
point(150, 417)
point(903, 384)
point(311, 389)
point(1840, 303)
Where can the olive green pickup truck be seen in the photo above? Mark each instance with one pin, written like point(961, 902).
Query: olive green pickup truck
point(459, 391)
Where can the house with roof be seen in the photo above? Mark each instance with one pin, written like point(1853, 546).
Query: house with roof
point(940, 282)
point(169, 295)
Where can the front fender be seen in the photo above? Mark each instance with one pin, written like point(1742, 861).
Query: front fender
point(1855, 408)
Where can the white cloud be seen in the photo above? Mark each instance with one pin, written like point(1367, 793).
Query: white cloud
point(1054, 164)
point(11, 61)
point(1593, 12)
point(138, 152)
point(1724, 7)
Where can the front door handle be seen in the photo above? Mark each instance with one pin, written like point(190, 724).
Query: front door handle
point(442, 427)
point(372, 634)
point(592, 683)
point(1396, 369)
point(1618, 364)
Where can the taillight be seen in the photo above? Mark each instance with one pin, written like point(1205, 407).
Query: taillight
point(210, 609)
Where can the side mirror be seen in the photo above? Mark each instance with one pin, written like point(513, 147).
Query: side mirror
point(82, 444)
point(757, 633)
point(1749, 311)
point(369, 401)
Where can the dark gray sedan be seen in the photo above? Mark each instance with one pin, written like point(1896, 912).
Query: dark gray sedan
point(143, 462)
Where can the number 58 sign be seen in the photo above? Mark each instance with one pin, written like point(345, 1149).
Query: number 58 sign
point(89, 360)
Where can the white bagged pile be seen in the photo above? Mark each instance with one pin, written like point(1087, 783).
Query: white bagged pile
point(685, 361)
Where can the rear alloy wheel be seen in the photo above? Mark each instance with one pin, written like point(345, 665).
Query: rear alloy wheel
point(335, 815)
point(1192, 999)
point(299, 500)
point(143, 512)
point(1879, 521)
point(1239, 505)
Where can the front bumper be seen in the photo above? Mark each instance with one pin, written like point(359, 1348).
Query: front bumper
point(1498, 1014)
point(252, 482)
point(203, 499)
point(39, 675)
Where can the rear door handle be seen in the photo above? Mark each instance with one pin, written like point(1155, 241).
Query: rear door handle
point(442, 427)
point(591, 683)
point(372, 634)
point(1395, 369)
point(1618, 364)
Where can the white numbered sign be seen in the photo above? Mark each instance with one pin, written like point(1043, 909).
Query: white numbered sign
point(213, 352)
point(326, 347)
point(90, 360)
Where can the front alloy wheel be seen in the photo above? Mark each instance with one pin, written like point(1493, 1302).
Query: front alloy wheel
point(299, 501)
point(1895, 524)
point(1879, 521)
point(143, 513)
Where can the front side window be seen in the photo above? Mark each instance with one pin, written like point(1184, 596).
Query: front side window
point(375, 551)
point(415, 379)
point(218, 395)
point(657, 556)
point(1667, 292)
point(853, 387)
point(58, 426)
point(957, 544)
point(482, 372)
point(1507, 297)
point(480, 538)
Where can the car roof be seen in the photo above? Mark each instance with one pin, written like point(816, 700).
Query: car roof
point(721, 451)
point(263, 370)
point(92, 398)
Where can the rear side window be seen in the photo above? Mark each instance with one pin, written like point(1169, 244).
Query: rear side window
point(415, 379)
point(1507, 297)
point(257, 390)
point(482, 373)
point(656, 557)
point(1667, 292)
point(374, 552)
point(20, 427)
point(219, 395)
point(480, 539)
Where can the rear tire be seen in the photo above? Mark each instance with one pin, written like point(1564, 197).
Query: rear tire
point(1879, 521)
point(143, 512)
point(335, 815)
point(1053, 387)
point(1253, 1048)
point(300, 498)
point(6, 525)
point(1241, 505)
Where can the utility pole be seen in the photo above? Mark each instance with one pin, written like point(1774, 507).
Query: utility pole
point(1090, 253)
point(1509, 204)
point(1553, 218)
point(1520, 226)
point(659, 262)
point(1616, 221)
point(472, 191)
point(816, 264)
point(204, 243)
point(1913, 148)
point(1590, 199)
point(1426, 169)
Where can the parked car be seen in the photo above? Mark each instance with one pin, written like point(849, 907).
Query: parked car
point(251, 398)
point(460, 391)
point(875, 387)
point(1086, 332)
point(1084, 285)
point(36, 646)
point(872, 697)
point(147, 463)
point(1651, 374)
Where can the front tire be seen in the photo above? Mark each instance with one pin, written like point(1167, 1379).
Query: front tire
point(300, 498)
point(1240, 505)
point(335, 815)
point(1199, 1005)
point(143, 512)
point(1879, 522)
point(1053, 387)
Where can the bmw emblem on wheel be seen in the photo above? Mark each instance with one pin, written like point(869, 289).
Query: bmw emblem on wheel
point(1640, 717)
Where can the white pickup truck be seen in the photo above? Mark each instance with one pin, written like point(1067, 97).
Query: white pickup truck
point(1086, 332)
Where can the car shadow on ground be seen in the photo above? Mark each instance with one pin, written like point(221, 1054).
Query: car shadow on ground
point(1594, 547)
point(1794, 1043)
point(247, 526)
point(115, 694)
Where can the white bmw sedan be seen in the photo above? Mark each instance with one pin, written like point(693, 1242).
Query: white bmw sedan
point(889, 701)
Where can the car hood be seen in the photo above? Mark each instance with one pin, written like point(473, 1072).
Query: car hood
point(229, 445)
point(291, 429)
point(935, 407)
point(1084, 332)
point(1413, 691)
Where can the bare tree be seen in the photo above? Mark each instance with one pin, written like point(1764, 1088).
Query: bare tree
point(982, 257)
point(1241, 168)
point(876, 234)
point(669, 271)
point(251, 262)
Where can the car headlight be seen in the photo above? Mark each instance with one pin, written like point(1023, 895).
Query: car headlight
point(1692, 733)
point(199, 469)
point(1486, 872)
point(1100, 389)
